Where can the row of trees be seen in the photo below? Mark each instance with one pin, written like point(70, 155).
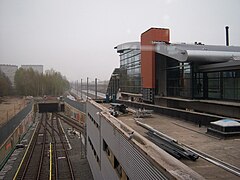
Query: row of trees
point(5, 85)
point(31, 83)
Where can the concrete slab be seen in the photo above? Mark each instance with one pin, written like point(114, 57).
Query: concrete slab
point(196, 137)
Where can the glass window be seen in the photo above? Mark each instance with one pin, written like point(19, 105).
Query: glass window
point(129, 70)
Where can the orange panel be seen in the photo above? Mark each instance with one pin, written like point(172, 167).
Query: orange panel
point(9, 145)
point(148, 54)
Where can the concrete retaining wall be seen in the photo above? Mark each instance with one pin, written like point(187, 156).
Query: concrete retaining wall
point(229, 109)
point(195, 117)
point(74, 113)
point(24, 120)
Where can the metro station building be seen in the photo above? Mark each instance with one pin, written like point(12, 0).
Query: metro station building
point(159, 72)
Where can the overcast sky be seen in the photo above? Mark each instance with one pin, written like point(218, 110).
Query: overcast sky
point(77, 37)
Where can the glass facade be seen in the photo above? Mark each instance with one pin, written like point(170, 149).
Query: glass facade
point(194, 78)
point(231, 85)
point(223, 85)
point(130, 71)
point(183, 82)
point(113, 85)
point(178, 79)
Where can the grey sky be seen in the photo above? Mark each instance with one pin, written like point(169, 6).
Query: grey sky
point(77, 37)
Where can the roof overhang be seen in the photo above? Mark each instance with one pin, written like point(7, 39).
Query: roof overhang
point(230, 65)
point(127, 46)
point(198, 53)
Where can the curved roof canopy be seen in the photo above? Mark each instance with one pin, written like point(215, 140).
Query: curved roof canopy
point(127, 46)
point(198, 52)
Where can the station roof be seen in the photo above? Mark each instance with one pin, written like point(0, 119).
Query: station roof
point(127, 46)
point(198, 52)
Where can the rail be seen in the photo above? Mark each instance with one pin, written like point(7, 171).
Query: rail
point(224, 165)
point(25, 154)
point(50, 164)
point(23, 168)
point(38, 157)
point(76, 124)
point(65, 150)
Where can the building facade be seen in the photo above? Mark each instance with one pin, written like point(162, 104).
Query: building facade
point(184, 76)
point(148, 60)
point(130, 69)
point(197, 71)
point(37, 68)
point(189, 71)
point(113, 85)
point(9, 71)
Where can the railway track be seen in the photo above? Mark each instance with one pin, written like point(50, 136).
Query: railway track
point(76, 124)
point(34, 151)
point(47, 155)
point(62, 155)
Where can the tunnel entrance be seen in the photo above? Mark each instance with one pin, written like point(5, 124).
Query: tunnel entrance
point(50, 107)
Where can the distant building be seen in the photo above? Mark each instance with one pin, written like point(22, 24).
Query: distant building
point(37, 68)
point(130, 70)
point(9, 71)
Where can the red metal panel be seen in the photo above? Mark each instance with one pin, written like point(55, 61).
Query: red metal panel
point(148, 54)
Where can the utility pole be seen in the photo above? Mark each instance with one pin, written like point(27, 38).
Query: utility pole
point(95, 88)
point(77, 87)
point(87, 87)
point(81, 88)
